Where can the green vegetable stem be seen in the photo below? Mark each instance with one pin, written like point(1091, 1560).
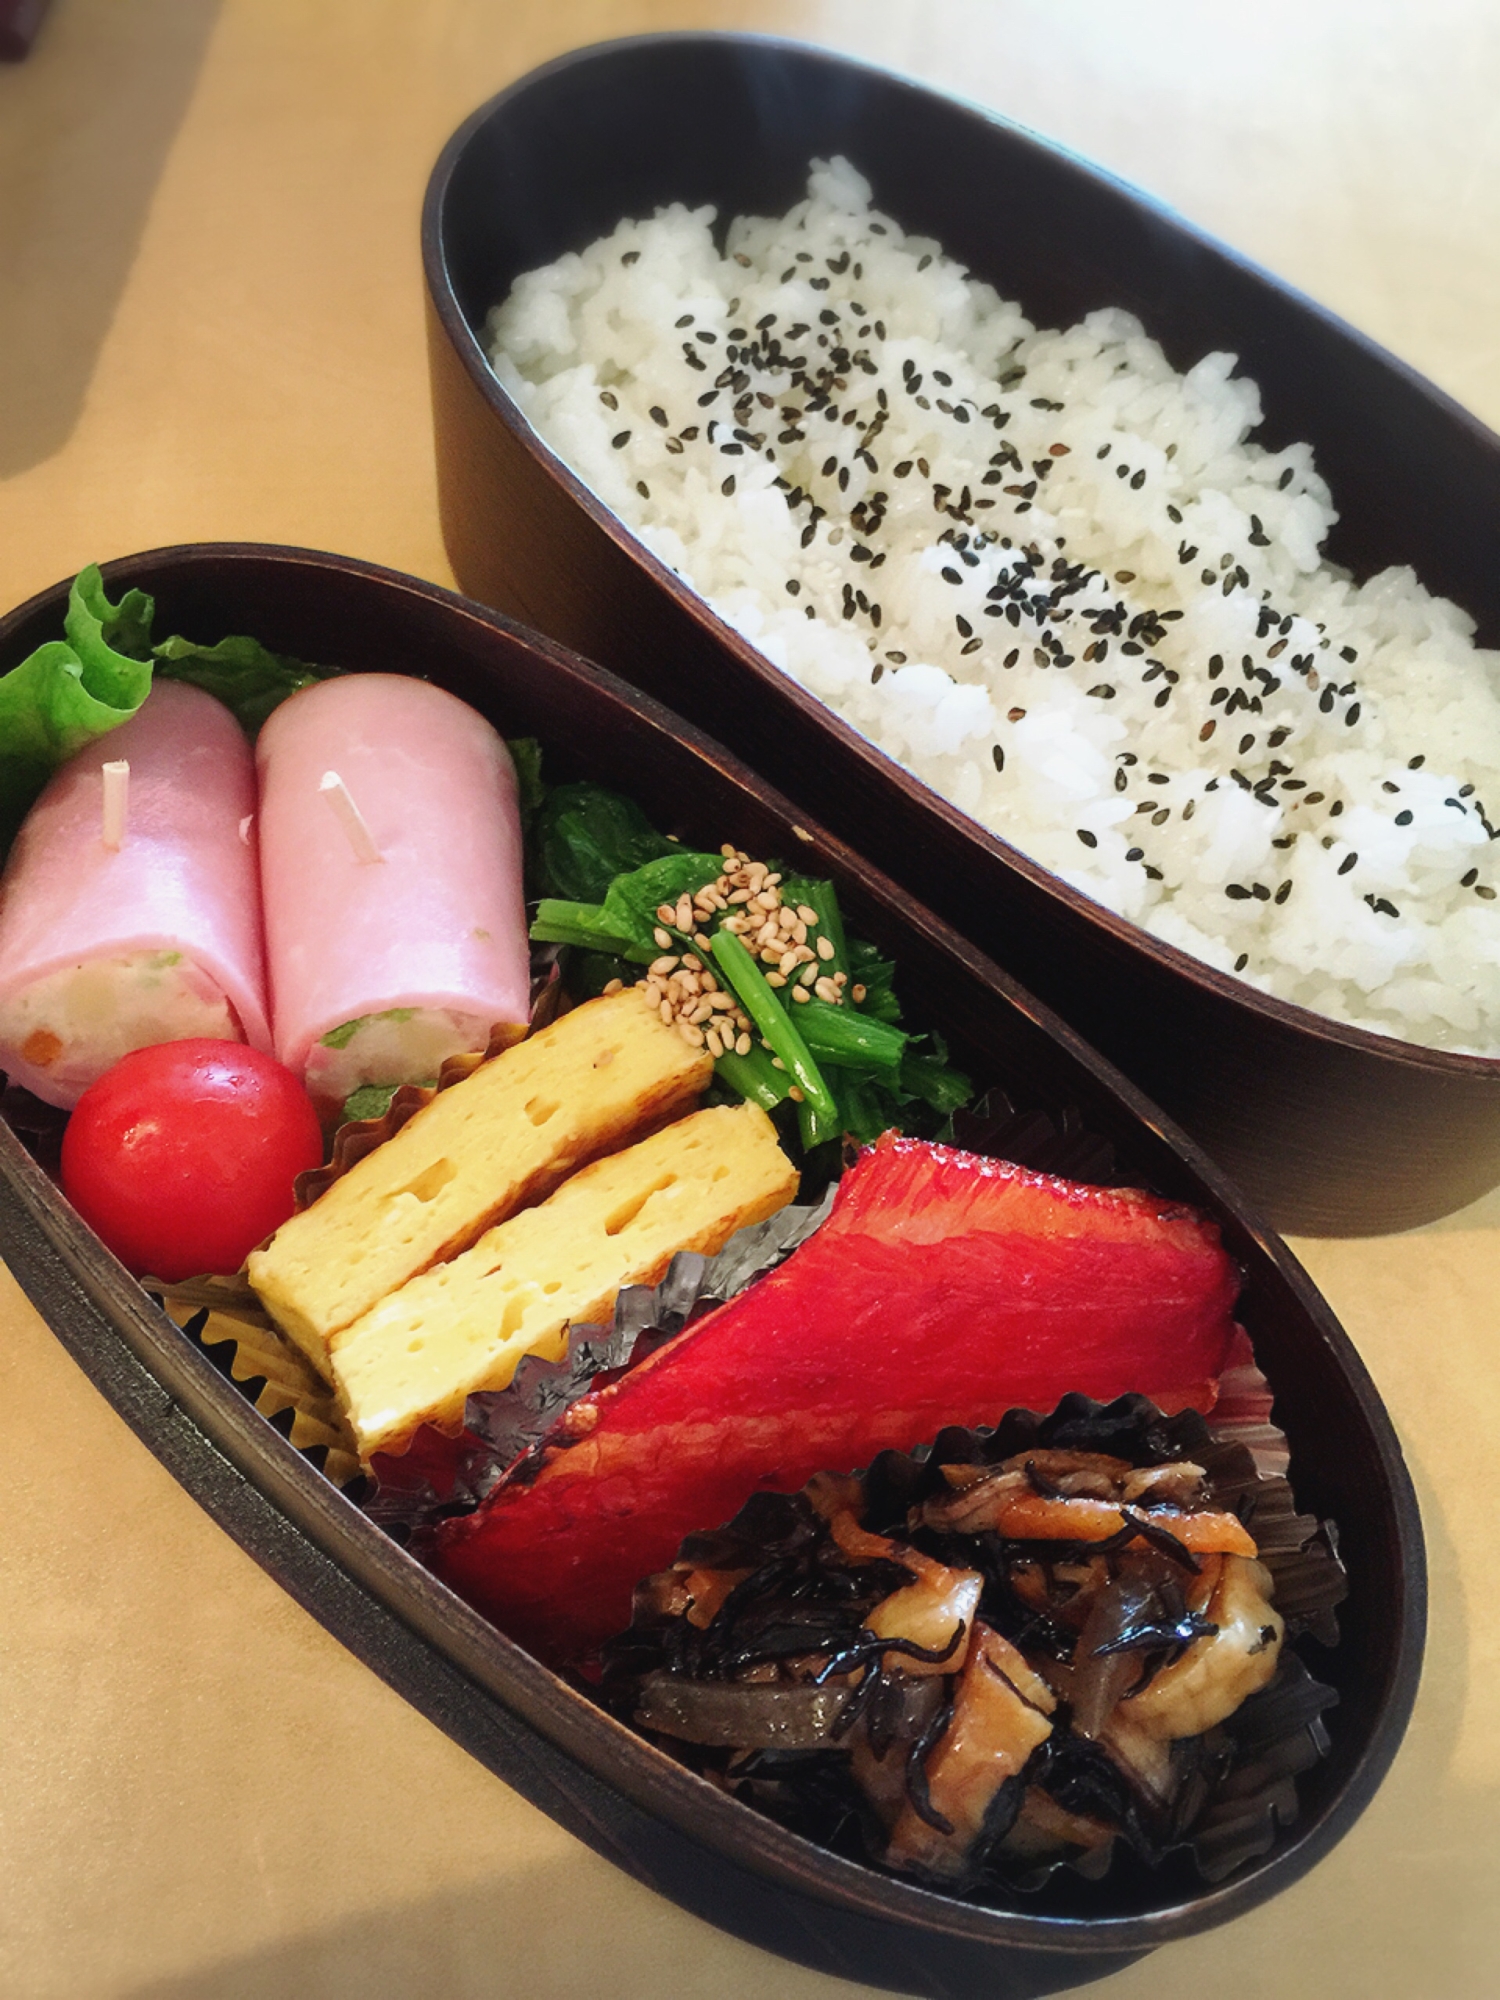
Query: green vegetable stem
point(755, 1076)
point(820, 896)
point(850, 1040)
point(775, 1024)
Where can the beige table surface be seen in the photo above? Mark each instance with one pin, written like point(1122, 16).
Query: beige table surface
point(210, 325)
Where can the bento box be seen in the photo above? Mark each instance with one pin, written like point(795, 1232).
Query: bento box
point(1332, 1128)
point(1065, 1111)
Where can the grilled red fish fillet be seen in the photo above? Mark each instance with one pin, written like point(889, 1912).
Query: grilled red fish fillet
point(944, 1288)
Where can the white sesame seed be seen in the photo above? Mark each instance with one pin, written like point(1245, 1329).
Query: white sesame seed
point(663, 965)
point(825, 949)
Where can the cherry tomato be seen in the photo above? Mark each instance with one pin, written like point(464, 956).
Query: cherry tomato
point(182, 1157)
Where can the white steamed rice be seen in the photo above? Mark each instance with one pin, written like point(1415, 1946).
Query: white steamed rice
point(1052, 577)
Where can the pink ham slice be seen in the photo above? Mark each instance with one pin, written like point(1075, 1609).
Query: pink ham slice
point(438, 923)
point(181, 889)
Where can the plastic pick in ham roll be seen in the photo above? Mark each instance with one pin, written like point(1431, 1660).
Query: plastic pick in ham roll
point(380, 972)
point(109, 945)
point(349, 816)
point(116, 776)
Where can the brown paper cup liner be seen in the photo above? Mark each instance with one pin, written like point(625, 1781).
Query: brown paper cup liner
point(224, 1318)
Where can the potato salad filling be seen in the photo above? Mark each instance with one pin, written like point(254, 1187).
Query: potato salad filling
point(77, 1022)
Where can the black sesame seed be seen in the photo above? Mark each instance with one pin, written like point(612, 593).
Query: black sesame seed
point(1242, 961)
point(1088, 839)
point(1237, 892)
point(1347, 863)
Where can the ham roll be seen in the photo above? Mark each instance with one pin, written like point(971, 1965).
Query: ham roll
point(121, 930)
point(390, 850)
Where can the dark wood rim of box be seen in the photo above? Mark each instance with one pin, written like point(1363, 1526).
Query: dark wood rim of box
point(456, 324)
point(614, 1790)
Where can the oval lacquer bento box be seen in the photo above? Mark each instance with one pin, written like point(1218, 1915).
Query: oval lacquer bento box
point(624, 1797)
point(1333, 1129)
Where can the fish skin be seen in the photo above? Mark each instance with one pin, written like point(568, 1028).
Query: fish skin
point(944, 1288)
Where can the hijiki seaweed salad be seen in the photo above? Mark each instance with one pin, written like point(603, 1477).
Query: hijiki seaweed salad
point(1053, 577)
point(1017, 1650)
point(567, 1190)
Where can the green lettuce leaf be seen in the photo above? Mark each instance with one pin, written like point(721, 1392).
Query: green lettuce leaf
point(71, 691)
